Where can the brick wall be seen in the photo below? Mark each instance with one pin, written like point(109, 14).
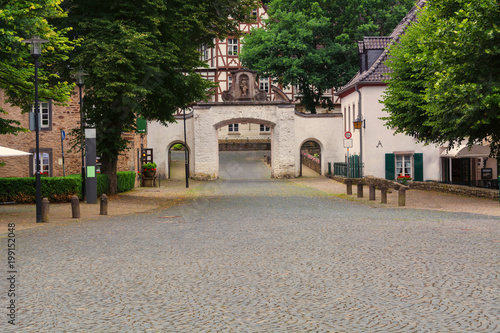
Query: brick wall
point(63, 118)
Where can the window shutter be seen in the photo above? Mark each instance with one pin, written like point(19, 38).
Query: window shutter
point(390, 167)
point(418, 160)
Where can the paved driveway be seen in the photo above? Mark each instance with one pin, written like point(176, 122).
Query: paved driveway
point(260, 256)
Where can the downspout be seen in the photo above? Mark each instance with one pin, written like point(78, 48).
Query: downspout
point(360, 133)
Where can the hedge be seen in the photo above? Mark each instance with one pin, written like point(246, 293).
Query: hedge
point(125, 180)
point(23, 190)
point(59, 189)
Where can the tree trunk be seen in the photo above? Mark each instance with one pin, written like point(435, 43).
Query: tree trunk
point(109, 167)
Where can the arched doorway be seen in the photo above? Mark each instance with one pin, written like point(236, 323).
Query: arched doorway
point(177, 160)
point(310, 159)
point(245, 149)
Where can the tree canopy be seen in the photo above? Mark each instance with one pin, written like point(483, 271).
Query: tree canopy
point(312, 43)
point(20, 20)
point(446, 82)
point(141, 59)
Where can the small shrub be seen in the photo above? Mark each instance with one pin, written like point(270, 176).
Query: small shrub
point(125, 181)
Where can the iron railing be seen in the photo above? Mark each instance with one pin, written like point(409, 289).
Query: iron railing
point(351, 170)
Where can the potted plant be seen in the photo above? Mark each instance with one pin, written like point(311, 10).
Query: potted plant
point(404, 179)
point(149, 169)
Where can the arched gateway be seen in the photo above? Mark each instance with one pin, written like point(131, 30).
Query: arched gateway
point(244, 103)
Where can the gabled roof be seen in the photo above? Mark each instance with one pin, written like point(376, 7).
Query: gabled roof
point(377, 73)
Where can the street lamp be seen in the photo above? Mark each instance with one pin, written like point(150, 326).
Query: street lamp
point(79, 82)
point(36, 51)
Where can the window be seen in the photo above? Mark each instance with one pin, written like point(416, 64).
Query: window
point(264, 84)
point(232, 47)
point(204, 52)
point(233, 128)
point(345, 119)
point(264, 128)
point(403, 165)
point(349, 117)
point(45, 118)
point(253, 15)
point(229, 82)
point(45, 162)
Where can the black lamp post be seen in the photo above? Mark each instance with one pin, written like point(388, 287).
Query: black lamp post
point(79, 82)
point(186, 155)
point(36, 52)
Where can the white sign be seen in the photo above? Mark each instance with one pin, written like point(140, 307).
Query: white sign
point(348, 135)
point(347, 143)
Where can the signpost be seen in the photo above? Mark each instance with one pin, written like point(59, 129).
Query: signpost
point(63, 136)
point(348, 144)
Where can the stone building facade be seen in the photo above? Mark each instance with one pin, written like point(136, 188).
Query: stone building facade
point(54, 119)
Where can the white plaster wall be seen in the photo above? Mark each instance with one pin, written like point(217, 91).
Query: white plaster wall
point(161, 137)
point(378, 140)
point(327, 131)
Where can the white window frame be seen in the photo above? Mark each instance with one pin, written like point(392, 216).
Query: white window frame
point(45, 119)
point(264, 84)
point(264, 128)
point(44, 163)
point(403, 165)
point(204, 52)
point(233, 128)
point(229, 82)
point(253, 15)
point(232, 47)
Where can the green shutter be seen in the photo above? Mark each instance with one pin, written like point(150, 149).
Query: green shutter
point(390, 167)
point(141, 125)
point(418, 160)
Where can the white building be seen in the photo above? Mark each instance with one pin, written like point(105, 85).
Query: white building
point(388, 155)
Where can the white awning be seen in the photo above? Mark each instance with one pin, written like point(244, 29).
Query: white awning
point(4, 152)
point(464, 152)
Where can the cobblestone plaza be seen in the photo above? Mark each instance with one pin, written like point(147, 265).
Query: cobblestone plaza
point(261, 256)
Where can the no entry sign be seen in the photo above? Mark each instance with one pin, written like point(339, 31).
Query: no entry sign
point(348, 135)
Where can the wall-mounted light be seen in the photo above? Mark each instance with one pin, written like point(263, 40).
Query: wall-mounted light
point(358, 123)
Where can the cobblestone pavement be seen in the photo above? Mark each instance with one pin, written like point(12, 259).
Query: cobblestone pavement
point(260, 256)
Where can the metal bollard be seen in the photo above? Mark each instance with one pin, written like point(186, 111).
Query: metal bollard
point(75, 207)
point(371, 192)
point(360, 190)
point(401, 196)
point(104, 205)
point(383, 194)
point(348, 183)
point(45, 210)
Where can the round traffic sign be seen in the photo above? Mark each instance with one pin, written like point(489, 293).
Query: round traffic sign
point(348, 135)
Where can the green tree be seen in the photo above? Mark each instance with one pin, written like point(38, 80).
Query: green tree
point(141, 57)
point(446, 82)
point(312, 43)
point(19, 20)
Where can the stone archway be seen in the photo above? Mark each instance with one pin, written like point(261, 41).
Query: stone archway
point(310, 156)
point(244, 148)
point(210, 116)
point(176, 161)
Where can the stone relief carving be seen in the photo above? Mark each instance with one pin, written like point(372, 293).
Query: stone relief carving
point(245, 87)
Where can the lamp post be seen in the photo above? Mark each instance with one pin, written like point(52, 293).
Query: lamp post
point(79, 82)
point(36, 51)
point(186, 155)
